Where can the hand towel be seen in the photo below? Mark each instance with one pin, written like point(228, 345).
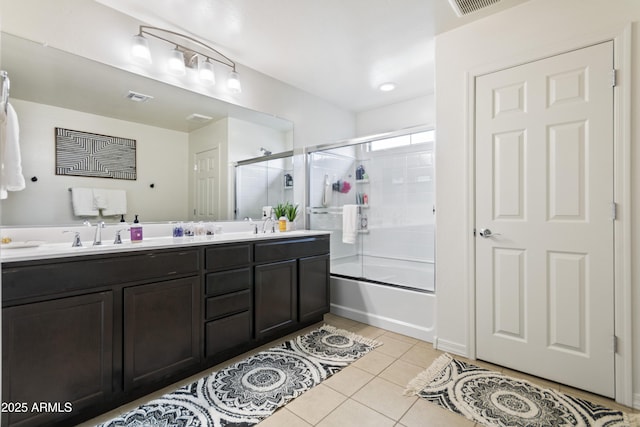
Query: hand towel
point(82, 201)
point(349, 223)
point(100, 198)
point(11, 178)
point(116, 203)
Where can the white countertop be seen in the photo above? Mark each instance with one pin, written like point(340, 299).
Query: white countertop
point(34, 250)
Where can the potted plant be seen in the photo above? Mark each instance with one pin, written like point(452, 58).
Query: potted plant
point(280, 211)
point(291, 214)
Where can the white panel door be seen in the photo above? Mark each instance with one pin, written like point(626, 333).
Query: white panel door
point(544, 188)
point(207, 197)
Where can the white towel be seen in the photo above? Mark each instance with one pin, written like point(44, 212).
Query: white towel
point(100, 198)
point(11, 178)
point(349, 223)
point(82, 201)
point(116, 203)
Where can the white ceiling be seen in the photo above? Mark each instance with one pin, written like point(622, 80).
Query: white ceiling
point(338, 50)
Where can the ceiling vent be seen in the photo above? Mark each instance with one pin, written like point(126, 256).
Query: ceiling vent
point(465, 7)
point(138, 97)
point(198, 118)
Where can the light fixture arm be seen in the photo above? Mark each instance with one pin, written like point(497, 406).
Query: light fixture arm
point(147, 30)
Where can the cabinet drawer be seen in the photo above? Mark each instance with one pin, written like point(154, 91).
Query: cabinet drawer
point(291, 248)
point(61, 276)
point(227, 256)
point(228, 281)
point(227, 333)
point(228, 304)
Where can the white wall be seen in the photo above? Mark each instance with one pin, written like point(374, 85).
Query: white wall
point(161, 159)
point(414, 112)
point(525, 32)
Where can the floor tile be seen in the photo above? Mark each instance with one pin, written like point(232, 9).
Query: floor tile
point(392, 346)
point(354, 414)
point(385, 397)
point(423, 413)
point(315, 404)
point(421, 354)
point(349, 380)
point(374, 362)
point(283, 417)
point(401, 372)
point(401, 337)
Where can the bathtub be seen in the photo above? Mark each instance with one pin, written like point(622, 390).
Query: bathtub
point(382, 303)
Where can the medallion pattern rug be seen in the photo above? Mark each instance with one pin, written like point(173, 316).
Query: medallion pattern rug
point(245, 393)
point(493, 399)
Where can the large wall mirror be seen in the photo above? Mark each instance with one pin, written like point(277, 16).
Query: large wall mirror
point(174, 130)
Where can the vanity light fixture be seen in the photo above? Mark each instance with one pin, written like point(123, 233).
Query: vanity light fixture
point(187, 53)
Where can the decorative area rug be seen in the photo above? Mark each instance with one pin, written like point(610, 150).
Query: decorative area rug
point(245, 393)
point(494, 399)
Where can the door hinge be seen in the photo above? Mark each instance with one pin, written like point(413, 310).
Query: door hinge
point(614, 211)
point(615, 344)
point(614, 77)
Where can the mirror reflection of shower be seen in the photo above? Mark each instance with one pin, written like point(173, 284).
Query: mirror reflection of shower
point(263, 181)
point(377, 197)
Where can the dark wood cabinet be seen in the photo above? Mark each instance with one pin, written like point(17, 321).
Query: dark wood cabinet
point(161, 330)
point(57, 352)
point(276, 297)
point(93, 332)
point(313, 287)
point(228, 310)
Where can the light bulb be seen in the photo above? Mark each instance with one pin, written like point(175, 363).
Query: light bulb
point(205, 72)
point(233, 82)
point(175, 63)
point(140, 52)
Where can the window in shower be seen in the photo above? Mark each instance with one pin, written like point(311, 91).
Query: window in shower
point(384, 186)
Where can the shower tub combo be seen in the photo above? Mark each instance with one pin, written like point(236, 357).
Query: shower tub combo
point(385, 276)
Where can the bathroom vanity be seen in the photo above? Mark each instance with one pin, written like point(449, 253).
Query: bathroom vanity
point(86, 331)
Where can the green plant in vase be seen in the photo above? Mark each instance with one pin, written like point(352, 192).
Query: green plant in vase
point(291, 213)
point(280, 210)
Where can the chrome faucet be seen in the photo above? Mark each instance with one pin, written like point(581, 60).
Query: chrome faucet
point(77, 243)
point(264, 224)
point(118, 238)
point(97, 238)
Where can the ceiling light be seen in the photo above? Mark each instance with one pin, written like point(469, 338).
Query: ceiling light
point(387, 87)
point(205, 72)
point(233, 82)
point(189, 52)
point(175, 63)
point(140, 52)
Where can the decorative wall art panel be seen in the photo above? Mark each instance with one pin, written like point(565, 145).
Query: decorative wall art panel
point(92, 155)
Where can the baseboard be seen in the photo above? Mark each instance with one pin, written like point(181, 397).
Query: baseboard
point(450, 347)
point(394, 325)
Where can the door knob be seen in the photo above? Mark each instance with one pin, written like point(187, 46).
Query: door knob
point(486, 233)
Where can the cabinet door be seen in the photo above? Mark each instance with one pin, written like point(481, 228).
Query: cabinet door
point(161, 330)
point(313, 287)
point(276, 294)
point(57, 352)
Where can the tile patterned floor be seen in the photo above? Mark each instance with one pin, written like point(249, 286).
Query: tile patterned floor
point(369, 392)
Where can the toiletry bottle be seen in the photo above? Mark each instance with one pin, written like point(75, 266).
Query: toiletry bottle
point(122, 218)
point(282, 223)
point(136, 231)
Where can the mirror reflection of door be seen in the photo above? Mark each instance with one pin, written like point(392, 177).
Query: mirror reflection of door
point(207, 180)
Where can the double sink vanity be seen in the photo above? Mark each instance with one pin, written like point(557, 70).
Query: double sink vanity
point(86, 329)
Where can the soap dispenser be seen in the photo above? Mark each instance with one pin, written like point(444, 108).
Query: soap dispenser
point(136, 231)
